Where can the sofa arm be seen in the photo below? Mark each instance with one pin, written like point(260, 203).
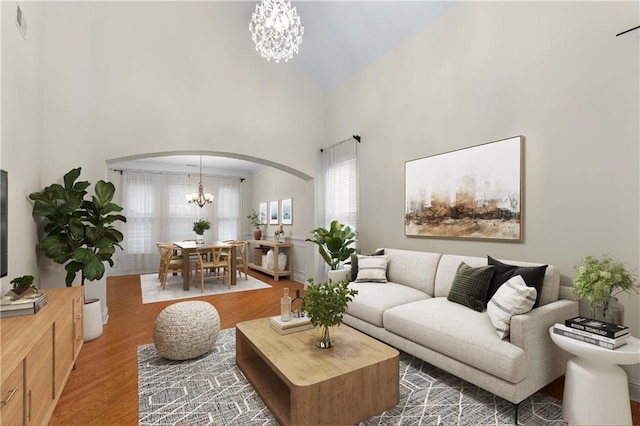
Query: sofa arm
point(341, 274)
point(529, 328)
point(545, 360)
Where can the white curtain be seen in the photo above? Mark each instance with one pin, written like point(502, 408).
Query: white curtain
point(157, 211)
point(340, 183)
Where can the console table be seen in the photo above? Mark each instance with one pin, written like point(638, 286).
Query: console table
point(38, 353)
point(276, 246)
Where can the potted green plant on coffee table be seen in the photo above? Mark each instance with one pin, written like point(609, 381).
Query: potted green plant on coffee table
point(325, 305)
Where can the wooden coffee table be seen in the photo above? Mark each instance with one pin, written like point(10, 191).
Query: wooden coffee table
point(302, 384)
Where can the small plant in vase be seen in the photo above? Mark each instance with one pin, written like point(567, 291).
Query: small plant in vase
point(597, 281)
point(325, 305)
point(254, 219)
point(199, 226)
point(23, 285)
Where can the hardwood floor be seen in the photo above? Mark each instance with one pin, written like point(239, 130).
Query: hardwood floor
point(103, 388)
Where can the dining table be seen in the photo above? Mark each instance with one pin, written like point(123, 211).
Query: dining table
point(189, 247)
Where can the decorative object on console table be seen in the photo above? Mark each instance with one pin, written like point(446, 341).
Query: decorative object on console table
point(325, 305)
point(485, 203)
point(27, 305)
point(597, 281)
point(256, 221)
point(334, 243)
point(592, 339)
point(23, 283)
point(199, 227)
point(279, 234)
point(597, 327)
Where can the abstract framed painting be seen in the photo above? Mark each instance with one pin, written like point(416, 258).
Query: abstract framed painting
point(286, 212)
point(471, 193)
point(273, 213)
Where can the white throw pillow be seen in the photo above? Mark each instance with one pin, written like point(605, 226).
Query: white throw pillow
point(512, 298)
point(372, 269)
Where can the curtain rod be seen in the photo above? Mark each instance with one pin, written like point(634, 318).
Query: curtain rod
point(121, 171)
point(624, 32)
point(356, 137)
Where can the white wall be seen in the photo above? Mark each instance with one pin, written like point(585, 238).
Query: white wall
point(21, 143)
point(553, 72)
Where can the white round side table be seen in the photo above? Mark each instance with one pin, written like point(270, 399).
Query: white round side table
point(596, 390)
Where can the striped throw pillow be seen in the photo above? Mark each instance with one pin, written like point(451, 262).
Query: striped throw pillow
point(372, 269)
point(512, 298)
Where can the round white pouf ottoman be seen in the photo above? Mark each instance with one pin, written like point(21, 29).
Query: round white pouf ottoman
point(186, 330)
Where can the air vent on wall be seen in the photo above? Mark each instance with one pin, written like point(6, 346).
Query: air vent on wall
point(21, 22)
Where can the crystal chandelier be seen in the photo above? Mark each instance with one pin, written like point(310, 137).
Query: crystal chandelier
point(200, 198)
point(276, 30)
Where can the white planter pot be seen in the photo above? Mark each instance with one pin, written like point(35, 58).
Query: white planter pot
point(92, 319)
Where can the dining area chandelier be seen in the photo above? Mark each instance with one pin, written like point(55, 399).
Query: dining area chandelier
point(276, 30)
point(200, 198)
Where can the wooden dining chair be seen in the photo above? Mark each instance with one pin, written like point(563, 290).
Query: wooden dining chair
point(214, 259)
point(242, 254)
point(169, 262)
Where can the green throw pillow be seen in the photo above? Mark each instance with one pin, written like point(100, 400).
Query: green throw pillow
point(470, 286)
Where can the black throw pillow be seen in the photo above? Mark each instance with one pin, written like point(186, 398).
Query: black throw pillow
point(470, 285)
point(533, 276)
point(354, 263)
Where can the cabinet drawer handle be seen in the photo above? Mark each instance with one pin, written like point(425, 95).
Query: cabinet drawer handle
point(6, 401)
point(29, 398)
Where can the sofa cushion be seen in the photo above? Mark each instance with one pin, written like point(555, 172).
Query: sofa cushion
point(413, 268)
point(470, 286)
point(354, 263)
point(449, 264)
point(515, 297)
point(460, 333)
point(373, 299)
point(533, 277)
point(372, 269)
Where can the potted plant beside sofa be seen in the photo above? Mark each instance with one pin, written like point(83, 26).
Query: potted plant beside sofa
point(334, 243)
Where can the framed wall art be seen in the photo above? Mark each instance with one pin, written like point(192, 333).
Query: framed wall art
point(286, 212)
point(273, 213)
point(473, 193)
point(262, 213)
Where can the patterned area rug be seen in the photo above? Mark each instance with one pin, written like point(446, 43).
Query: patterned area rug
point(152, 290)
point(211, 390)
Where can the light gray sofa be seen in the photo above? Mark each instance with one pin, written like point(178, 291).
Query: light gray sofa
point(411, 312)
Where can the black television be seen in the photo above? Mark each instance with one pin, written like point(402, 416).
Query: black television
point(4, 230)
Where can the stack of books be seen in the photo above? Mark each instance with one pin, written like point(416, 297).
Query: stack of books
point(595, 332)
point(27, 305)
point(291, 326)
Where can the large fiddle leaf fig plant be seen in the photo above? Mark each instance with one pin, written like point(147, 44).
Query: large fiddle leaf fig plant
point(80, 232)
point(334, 243)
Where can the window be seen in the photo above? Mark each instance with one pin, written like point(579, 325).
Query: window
point(156, 210)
